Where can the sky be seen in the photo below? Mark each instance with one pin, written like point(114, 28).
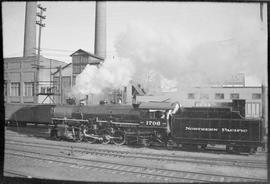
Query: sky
point(179, 40)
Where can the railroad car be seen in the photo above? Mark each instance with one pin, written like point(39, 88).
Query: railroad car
point(21, 114)
point(202, 126)
point(146, 123)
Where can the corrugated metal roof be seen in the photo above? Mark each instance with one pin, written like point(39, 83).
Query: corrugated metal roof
point(87, 53)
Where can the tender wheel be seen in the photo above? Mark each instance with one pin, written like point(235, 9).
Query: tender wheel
point(119, 138)
point(89, 139)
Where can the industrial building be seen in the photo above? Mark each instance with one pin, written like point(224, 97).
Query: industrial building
point(64, 78)
point(214, 96)
point(19, 79)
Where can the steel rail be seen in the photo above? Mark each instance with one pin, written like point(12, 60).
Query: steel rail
point(15, 173)
point(96, 165)
point(143, 170)
point(152, 156)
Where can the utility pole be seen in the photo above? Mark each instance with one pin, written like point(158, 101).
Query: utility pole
point(60, 84)
point(41, 17)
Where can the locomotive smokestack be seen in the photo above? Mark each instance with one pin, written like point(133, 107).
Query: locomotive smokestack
point(30, 29)
point(100, 29)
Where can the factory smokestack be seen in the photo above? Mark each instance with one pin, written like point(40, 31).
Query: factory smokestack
point(100, 29)
point(30, 29)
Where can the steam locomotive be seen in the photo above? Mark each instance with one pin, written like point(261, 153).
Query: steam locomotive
point(146, 123)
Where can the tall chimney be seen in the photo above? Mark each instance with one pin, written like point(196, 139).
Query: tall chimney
point(100, 29)
point(30, 29)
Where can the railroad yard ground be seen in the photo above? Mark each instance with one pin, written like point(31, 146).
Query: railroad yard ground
point(29, 153)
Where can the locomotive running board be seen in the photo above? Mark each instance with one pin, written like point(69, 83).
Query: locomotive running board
point(122, 123)
point(65, 119)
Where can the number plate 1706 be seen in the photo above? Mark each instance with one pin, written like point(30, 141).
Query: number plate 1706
point(153, 123)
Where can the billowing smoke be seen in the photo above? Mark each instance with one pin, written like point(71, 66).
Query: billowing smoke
point(171, 60)
point(181, 61)
point(111, 74)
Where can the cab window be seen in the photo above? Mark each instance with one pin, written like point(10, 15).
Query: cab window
point(156, 114)
point(152, 115)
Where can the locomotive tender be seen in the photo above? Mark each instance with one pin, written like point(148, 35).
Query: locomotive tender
point(147, 123)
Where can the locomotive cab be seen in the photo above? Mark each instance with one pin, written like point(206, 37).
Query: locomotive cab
point(158, 114)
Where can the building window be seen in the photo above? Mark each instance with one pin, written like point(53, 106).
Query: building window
point(5, 89)
point(191, 96)
point(152, 115)
point(43, 90)
point(82, 68)
point(73, 80)
point(76, 69)
point(253, 109)
point(76, 59)
point(55, 84)
point(219, 96)
point(204, 96)
point(84, 60)
point(234, 96)
point(15, 89)
point(28, 89)
point(49, 90)
point(256, 96)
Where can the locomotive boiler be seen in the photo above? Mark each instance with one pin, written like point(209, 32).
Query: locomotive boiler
point(146, 123)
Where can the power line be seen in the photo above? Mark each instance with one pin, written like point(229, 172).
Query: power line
point(41, 17)
point(59, 50)
point(62, 50)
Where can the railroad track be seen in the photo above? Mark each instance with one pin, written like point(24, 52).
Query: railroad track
point(138, 170)
point(13, 173)
point(45, 135)
point(152, 156)
point(30, 131)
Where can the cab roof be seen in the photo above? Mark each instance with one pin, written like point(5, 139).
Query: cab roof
point(157, 105)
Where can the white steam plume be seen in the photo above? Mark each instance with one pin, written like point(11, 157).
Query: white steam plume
point(111, 74)
point(178, 57)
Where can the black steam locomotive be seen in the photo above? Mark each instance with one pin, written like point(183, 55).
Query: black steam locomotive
point(147, 123)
